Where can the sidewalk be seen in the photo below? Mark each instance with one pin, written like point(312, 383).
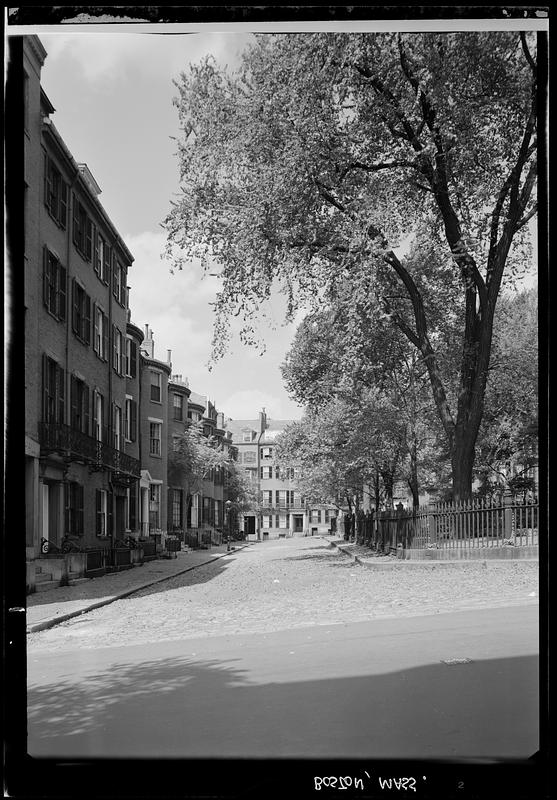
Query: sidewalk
point(366, 557)
point(49, 608)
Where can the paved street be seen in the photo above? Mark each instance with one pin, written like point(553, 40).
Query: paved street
point(287, 648)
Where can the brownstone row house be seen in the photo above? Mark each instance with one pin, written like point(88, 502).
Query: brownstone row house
point(100, 408)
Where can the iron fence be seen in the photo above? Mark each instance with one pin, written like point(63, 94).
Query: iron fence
point(475, 524)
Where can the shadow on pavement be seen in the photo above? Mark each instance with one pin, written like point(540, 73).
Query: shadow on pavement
point(180, 707)
point(96, 588)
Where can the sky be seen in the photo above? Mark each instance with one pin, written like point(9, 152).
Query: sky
point(113, 97)
point(113, 94)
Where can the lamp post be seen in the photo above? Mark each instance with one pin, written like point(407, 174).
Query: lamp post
point(228, 506)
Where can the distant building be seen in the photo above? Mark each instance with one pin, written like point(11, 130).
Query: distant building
point(282, 511)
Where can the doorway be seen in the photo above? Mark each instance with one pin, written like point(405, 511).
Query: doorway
point(249, 526)
point(298, 523)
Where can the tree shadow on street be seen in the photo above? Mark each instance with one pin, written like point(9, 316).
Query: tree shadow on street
point(180, 707)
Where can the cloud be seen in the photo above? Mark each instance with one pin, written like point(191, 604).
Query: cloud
point(245, 404)
point(107, 57)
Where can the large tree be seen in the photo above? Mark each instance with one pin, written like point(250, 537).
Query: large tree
point(323, 152)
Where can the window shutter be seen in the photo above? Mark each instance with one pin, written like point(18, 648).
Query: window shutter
point(79, 510)
point(123, 281)
point(45, 388)
point(45, 277)
point(62, 279)
point(114, 276)
point(61, 393)
point(86, 334)
point(109, 516)
point(63, 203)
point(122, 353)
point(113, 344)
point(47, 183)
point(75, 220)
point(88, 238)
point(86, 409)
point(73, 401)
point(133, 420)
point(104, 343)
point(97, 266)
point(106, 264)
point(74, 307)
point(99, 509)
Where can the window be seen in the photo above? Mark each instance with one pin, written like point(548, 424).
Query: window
point(249, 457)
point(117, 354)
point(267, 497)
point(55, 192)
point(315, 516)
point(100, 336)
point(178, 405)
point(82, 229)
point(218, 514)
point(54, 285)
point(79, 405)
point(280, 496)
point(283, 520)
point(98, 417)
point(207, 509)
point(73, 517)
point(116, 427)
point(101, 519)
point(155, 438)
point(154, 506)
point(176, 501)
point(267, 521)
point(266, 452)
point(266, 473)
point(81, 313)
point(156, 383)
point(102, 258)
point(131, 358)
point(247, 436)
point(194, 512)
point(130, 420)
point(53, 391)
point(119, 279)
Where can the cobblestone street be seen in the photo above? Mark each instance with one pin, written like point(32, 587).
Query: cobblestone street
point(287, 584)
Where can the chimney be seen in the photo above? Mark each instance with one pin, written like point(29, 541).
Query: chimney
point(262, 421)
point(169, 358)
point(149, 344)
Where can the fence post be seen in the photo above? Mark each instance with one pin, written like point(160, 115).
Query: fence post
point(507, 515)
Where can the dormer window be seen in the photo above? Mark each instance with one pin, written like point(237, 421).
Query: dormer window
point(247, 436)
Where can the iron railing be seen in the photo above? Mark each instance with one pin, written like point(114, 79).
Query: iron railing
point(448, 526)
point(78, 446)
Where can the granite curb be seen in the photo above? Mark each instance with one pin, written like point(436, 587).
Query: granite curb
point(379, 562)
point(105, 601)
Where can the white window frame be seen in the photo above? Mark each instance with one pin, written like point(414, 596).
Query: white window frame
point(153, 427)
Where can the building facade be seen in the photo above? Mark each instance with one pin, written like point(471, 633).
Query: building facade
point(79, 469)
point(282, 510)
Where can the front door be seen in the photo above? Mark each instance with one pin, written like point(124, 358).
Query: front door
point(298, 523)
point(249, 526)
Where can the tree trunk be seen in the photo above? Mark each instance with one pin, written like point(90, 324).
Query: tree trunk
point(462, 460)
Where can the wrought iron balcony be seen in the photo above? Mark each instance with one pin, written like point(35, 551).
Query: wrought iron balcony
point(77, 446)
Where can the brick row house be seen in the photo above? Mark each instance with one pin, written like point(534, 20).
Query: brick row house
point(100, 408)
point(282, 510)
point(79, 464)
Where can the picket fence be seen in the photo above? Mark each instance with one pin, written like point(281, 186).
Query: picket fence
point(478, 523)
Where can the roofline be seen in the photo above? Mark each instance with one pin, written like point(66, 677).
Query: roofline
point(50, 128)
